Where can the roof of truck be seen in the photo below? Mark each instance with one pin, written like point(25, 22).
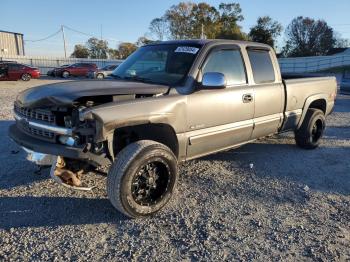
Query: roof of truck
point(207, 41)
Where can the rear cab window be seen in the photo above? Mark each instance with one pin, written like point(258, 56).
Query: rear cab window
point(263, 70)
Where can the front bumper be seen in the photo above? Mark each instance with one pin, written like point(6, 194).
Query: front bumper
point(39, 158)
point(40, 146)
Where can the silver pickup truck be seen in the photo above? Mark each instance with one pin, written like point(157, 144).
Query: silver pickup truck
point(168, 102)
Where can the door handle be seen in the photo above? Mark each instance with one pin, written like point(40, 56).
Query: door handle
point(247, 98)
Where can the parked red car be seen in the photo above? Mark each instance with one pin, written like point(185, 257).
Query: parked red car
point(78, 69)
point(16, 71)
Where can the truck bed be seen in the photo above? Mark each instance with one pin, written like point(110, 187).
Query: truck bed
point(299, 90)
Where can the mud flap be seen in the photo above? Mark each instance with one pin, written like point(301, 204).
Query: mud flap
point(66, 177)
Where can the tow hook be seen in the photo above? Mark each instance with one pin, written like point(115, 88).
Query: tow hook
point(67, 178)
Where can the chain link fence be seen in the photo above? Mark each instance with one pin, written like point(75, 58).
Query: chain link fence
point(47, 63)
point(313, 64)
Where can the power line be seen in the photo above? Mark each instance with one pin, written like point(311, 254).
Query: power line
point(79, 32)
point(43, 39)
point(61, 30)
point(90, 35)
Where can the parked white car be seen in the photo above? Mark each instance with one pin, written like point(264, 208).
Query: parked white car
point(102, 73)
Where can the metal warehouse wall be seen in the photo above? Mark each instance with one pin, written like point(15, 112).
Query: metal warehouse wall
point(11, 43)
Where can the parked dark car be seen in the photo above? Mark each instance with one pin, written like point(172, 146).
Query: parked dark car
point(77, 69)
point(52, 71)
point(15, 71)
point(102, 73)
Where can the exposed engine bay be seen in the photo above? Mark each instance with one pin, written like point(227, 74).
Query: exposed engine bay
point(56, 115)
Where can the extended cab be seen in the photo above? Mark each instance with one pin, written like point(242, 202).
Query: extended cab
point(168, 102)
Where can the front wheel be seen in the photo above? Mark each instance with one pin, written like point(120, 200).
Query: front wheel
point(142, 178)
point(100, 76)
point(26, 77)
point(65, 74)
point(309, 135)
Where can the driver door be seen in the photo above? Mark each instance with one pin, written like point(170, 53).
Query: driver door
point(3, 71)
point(14, 71)
point(221, 118)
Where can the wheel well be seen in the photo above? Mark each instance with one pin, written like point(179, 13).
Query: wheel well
point(319, 104)
point(161, 133)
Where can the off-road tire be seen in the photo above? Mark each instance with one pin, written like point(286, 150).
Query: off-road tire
point(126, 167)
point(306, 136)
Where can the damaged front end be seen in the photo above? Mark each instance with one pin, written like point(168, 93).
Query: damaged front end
point(56, 136)
point(69, 174)
point(55, 126)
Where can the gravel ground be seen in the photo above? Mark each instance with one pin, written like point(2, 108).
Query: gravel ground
point(292, 205)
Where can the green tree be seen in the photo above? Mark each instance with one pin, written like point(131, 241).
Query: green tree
point(204, 17)
point(265, 31)
point(230, 15)
point(309, 37)
point(126, 49)
point(179, 18)
point(97, 48)
point(143, 41)
point(188, 20)
point(113, 53)
point(80, 51)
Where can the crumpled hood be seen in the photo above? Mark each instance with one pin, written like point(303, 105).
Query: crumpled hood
point(65, 93)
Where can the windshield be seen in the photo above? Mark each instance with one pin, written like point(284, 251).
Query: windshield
point(160, 64)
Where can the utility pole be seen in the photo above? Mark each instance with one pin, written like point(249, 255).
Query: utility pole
point(202, 32)
point(64, 41)
point(101, 30)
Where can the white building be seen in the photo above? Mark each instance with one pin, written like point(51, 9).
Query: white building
point(11, 43)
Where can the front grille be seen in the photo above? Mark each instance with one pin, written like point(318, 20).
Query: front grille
point(35, 114)
point(39, 132)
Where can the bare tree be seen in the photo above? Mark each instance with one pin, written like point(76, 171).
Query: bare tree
point(308, 37)
point(159, 28)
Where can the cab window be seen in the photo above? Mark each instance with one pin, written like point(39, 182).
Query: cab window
point(229, 63)
point(262, 66)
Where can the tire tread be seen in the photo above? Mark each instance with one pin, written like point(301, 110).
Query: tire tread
point(302, 134)
point(119, 167)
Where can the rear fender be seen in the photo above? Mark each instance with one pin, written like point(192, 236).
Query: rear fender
point(308, 102)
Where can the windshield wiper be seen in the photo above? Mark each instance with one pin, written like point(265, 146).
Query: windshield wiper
point(139, 79)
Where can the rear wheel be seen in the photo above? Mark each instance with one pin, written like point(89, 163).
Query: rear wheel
point(65, 74)
point(309, 135)
point(26, 77)
point(142, 179)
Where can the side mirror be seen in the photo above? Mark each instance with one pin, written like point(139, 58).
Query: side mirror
point(213, 80)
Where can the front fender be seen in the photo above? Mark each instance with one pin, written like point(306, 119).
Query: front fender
point(170, 110)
